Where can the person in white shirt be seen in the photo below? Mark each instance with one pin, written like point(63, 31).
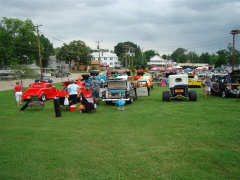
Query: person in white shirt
point(73, 92)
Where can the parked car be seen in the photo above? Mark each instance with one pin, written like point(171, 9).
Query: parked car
point(193, 81)
point(117, 67)
point(122, 89)
point(7, 76)
point(62, 74)
point(226, 85)
point(145, 80)
point(178, 89)
point(43, 90)
point(146, 83)
point(45, 79)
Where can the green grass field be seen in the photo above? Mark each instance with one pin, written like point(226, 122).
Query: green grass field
point(149, 140)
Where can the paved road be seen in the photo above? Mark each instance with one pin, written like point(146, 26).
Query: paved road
point(7, 85)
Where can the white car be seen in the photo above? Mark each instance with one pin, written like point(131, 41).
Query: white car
point(178, 89)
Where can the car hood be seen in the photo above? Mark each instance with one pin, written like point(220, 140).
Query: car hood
point(117, 84)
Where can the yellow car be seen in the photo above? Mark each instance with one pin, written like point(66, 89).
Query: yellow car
point(193, 81)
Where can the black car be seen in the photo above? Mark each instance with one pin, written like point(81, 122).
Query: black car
point(226, 85)
point(45, 79)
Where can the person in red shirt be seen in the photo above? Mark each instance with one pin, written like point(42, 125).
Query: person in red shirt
point(18, 93)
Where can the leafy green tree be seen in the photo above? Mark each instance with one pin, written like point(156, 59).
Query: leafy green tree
point(125, 47)
point(236, 54)
point(46, 50)
point(24, 72)
point(76, 51)
point(213, 59)
point(193, 57)
point(182, 58)
point(222, 58)
point(175, 55)
point(149, 54)
point(205, 58)
point(18, 41)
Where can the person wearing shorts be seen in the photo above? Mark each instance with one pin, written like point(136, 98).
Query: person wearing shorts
point(18, 93)
point(208, 82)
point(95, 87)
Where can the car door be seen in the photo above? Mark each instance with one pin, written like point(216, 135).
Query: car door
point(142, 91)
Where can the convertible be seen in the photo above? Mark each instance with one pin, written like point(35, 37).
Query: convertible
point(43, 90)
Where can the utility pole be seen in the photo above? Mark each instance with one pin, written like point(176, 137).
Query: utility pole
point(234, 32)
point(126, 49)
point(98, 47)
point(39, 54)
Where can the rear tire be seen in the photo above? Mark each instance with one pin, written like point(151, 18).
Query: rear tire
point(43, 98)
point(165, 96)
point(193, 96)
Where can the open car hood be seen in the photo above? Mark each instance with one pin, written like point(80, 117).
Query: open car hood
point(117, 84)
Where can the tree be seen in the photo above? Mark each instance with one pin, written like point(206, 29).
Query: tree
point(46, 50)
point(222, 58)
point(182, 58)
point(24, 72)
point(213, 59)
point(205, 58)
point(193, 57)
point(149, 54)
point(76, 51)
point(175, 55)
point(18, 41)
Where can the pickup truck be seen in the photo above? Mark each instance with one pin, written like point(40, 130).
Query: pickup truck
point(120, 89)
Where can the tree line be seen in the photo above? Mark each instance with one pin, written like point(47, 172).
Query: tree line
point(18, 46)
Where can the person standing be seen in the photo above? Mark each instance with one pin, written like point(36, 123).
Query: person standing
point(18, 93)
point(95, 87)
point(208, 82)
point(73, 92)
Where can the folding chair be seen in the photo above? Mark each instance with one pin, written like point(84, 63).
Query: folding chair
point(35, 103)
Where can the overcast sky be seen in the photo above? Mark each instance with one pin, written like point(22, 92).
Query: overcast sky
point(161, 25)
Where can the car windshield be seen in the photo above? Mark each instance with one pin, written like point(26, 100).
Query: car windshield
point(37, 85)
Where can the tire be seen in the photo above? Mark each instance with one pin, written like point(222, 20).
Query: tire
point(135, 91)
point(193, 96)
point(165, 96)
point(224, 94)
point(57, 107)
point(43, 97)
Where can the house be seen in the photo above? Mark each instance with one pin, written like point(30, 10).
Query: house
point(160, 62)
point(58, 65)
point(106, 58)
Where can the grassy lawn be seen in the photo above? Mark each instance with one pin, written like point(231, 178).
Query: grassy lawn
point(150, 140)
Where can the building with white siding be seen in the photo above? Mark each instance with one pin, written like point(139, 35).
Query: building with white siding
point(160, 62)
point(106, 58)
